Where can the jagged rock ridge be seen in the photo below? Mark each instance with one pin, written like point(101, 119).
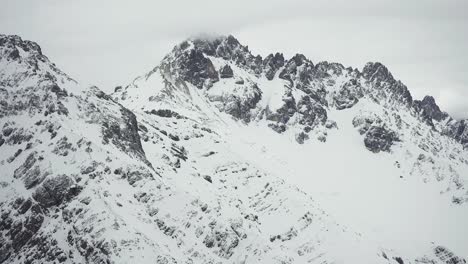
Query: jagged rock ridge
point(154, 172)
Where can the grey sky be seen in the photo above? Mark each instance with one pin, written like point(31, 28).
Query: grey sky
point(109, 42)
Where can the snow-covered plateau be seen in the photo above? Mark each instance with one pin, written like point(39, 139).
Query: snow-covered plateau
point(217, 155)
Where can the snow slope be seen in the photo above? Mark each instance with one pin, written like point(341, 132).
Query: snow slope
point(408, 198)
point(219, 156)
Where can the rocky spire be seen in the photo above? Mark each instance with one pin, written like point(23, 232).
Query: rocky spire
point(272, 64)
point(377, 72)
point(12, 44)
point(428, 108)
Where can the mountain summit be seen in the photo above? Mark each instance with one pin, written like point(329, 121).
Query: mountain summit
point(239, 83)
point(217, 155)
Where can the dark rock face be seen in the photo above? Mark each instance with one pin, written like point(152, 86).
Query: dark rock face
point(457, 130)
point(230, 49)
point(377, 136)
point(193, 67)
point(399, 260)
point(93, 251)
point(311, 112)
point(7, 131)
point(30, 172)
point(123, 133)
point(283, 114)
point(12, 43)
point(59, 92)
point(240, 107)
point(166, 113)
point(20, 231)
point(63, 147)
point(208, 178)
point(377, 72)
point(272, 64)
point(344, 99)
point(429, 109)
point(325, 69)
point(299, 71)
point(239, 81)
point(198, 69)
point(25, 206)
point(4, 250)
point(226, 72)
point(19, 136)
point(379, 139)
point(448, 256)
point(137, 175)
point(180, 153)
point(223, 239)
point(301, 137)
point(55, 190)
point(380, 76)
point(308, 113)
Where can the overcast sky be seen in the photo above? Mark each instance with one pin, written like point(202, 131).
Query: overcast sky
point(424, 43)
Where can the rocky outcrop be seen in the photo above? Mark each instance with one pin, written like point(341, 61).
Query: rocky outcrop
point(190, 61)
point(284, 113)
point(326, 69)
point(344, 99)
point(226, 72)
point(377, 73)
point(229, 49)
point(55, 190)
point(271, 65)
point(166, 113)
point(123, 132)
point(19, 231)
point(192, 66)
point(240, 106)
point(11, 45)
point(225, 240)
point(457, 130)
point(379, 139)
point(447, 256)
point(299, 71)
point(30, 171)
point(428, 109)
point(377, 136)
point(381, 79)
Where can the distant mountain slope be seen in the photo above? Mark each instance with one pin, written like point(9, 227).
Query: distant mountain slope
point(219, 156)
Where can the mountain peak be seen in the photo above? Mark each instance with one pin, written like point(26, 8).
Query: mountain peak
point(376, 71)
point(429, 109)
point(192, 59)
point(207, 60)
point(22, 60)
point(13, 46)
point(209, 44)
point(204, 160)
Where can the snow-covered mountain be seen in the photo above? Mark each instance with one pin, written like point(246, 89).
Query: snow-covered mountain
point(220, 156)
